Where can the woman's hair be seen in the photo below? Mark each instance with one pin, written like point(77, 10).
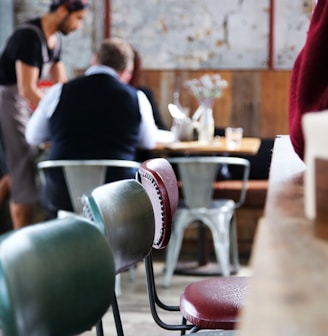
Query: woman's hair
point(135, 78)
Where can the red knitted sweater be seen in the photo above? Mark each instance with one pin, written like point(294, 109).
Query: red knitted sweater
point(309, 80)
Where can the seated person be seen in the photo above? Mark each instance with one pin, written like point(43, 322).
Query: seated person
point(134, 80)
point(95, 116)
point(132, 76)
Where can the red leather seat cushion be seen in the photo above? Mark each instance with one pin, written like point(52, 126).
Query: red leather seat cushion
point(214, 303)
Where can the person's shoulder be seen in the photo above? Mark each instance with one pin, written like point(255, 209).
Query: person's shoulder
point(29, 29)
point(146, 90)
point(35, 21)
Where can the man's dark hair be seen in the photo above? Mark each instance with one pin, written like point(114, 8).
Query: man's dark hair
point(71, 5)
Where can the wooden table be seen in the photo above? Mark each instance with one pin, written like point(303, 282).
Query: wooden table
point(288, 293)
point(248, 146)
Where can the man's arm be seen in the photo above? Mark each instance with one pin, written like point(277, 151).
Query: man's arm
point(58, 73)
point(27, 79)
point(37, 129)
point(148, 129)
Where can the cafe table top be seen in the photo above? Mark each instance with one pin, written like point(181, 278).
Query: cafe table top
point(248, 146)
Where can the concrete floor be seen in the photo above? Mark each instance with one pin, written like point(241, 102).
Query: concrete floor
point(134, 308)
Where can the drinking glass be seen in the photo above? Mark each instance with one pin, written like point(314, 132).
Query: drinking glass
point(233, 136)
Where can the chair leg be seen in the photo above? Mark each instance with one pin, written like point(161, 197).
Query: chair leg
point(234, 244)
point(132, 273)
point(99, 329)
point(118, 290)
point(221, 239)
point(117, 317)
point(174, 246)
point(132, 276)
point(172, 255)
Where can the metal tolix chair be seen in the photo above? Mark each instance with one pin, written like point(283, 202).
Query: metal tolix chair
point(198, 175)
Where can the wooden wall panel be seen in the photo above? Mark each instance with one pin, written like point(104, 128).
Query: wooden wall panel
point(246, 101)
point(223, 106)
point(274, 103)
point(256, 100)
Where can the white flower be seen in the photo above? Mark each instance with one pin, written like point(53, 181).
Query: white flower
point(207, 86)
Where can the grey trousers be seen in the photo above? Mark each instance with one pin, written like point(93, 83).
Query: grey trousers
point(20, 157)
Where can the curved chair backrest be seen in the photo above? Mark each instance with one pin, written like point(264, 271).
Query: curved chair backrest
point(56, 278)
point(199, 173)
point(158, 178)
point(123, 211)
point(82, 176)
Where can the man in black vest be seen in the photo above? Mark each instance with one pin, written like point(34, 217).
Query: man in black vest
point(95, 116)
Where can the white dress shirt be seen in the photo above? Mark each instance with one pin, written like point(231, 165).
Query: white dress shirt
point(38, 132)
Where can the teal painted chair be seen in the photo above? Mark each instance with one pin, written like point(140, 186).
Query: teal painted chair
point(56, 278)
point(123, 212)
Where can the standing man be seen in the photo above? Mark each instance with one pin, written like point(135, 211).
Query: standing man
point(32, 51)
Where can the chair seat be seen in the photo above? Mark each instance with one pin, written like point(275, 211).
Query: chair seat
point(214, 303)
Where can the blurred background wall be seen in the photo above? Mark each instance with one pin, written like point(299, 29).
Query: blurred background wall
point(251, 43)
point(184, 34)
point(210, 34)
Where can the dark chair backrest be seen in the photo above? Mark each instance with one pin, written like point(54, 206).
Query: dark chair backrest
point(123, 211)
point(56, 278)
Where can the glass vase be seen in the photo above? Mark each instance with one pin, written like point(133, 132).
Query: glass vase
point(204, 114)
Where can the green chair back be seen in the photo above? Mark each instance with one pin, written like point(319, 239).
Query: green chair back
point(56, 278)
